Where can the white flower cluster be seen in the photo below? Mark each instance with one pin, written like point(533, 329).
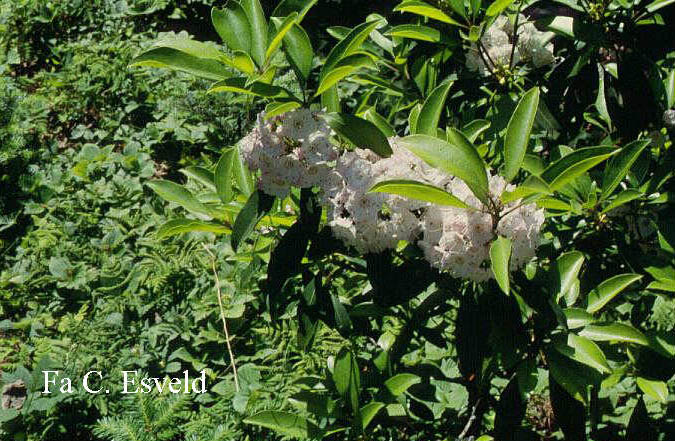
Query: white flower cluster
point(458, 240)
point(295, 150)
point(292, 150)
point(532, 47)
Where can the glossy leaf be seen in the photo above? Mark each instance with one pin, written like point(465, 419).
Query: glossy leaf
point(497, 7)
point(618, 167)
point(170, 58)
point(223, 175)
point(233, 27)
point(286, 7)
point(285, 423)
point(381, 123)
point(283, 27)
point(258, 29)
point(348, 45)
point(399, 384)
point(343, 69)
point(370, 411)
point(425, 10)
point(299, 52)
point(577, 317)
point(172, 192)
point(575, 164)
point(500, 256)
point(622, 198)
point(584, 351)
point(180, 226)
point(567, 269)
point(242, 176)
point(200, 174)
point(518, 132)
point(655, 389)
point(608, 289)
point(360, 132)
point(346, 377)
point(532, 186)
point(415, 32)
point(430, 114)
point(474, 129)
point(257, 88)
point(257, 205)
point(459, 161)
point(616, 332)
point(419, 191)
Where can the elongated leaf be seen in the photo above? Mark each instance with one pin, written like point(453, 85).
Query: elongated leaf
point(533, 185)
point(283, 27)
point(430, 114)
point(616, 332)
point(200, 174)
point(567, 269)
point(415, 32)
point(400, 383)
point(381, 123)
point(285, 423)
point(670, 89)
point(258, 29)
point(584, 351)
point(618, 167)
point(342, 69)
point(497, 7)
point(359, 132)
point(277, 108)
point(347, 377)
point(577, 317)
point(370, 411)
point(223, 175)
point(180, 226)
point(419, 191)
point(257, 88)
point(658, 4)
point(348, 45)
point(242, 176)
point(177, 194)
point(233, 27)
point(426, 10)
point(570, 167)
point(286, 7)
point(500, 256)
point(241, 61)
point(622, 198)
point(474, 129)
point(170, 58)
point(608, 289)
point(257, 205)
point(459, 161)
point(568, 375)
point(657, 390)
point(413, 117)
point(518, 132)
point(299, 52)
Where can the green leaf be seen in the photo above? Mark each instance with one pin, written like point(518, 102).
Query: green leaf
point(200, 174)
point(568, 374)
point(518, 132)
point(577, 317)
point(286, 7)
point(241, 61)
point(170, 58)
point(670, 89)
point(622, 198)
point(532, 186)
point(658, 390)
point(223, 175)
point(180, 226)
point(500, 255)
point(616, 332)
point(258, 29)
point(347, 378)
point(608, 289)
point(430, 114)
point(571, 166)
point(419, 191)
point(415, 32)
point(413, 117)
point(370, 411)
point(257, 88)
point(277, 108)
point(283, 27)
point(342, 69)
point(381, 123)
point(242, 176)
point(584, 351)
point(257, 205)
point(618, 167)
point(348, 45)
point(299, 52)
point(426, 10)
point(497, 7)
point(172, 192)
point(233, 27)
point(474, 129)
point(400, 383)
point(567, 269)
point(359, 132)
point(658, 4)
point(285, 423)
point(456, 160)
